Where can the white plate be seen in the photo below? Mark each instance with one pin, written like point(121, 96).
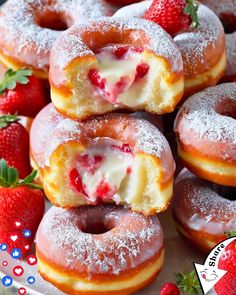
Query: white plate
point(179, 258)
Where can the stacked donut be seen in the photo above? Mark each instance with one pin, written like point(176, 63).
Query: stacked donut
point(204, 205)
point(110, 173)
point(98, 147)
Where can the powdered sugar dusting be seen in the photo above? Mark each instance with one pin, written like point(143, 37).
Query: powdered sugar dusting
point(194, 43)
point(134, 239)
point(207, 210)
point(200, 111)
point(22, 38)
point(149, 139)
point(70, 45)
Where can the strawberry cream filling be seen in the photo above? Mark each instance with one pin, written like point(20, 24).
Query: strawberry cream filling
point(120, 71)
point(100, 170)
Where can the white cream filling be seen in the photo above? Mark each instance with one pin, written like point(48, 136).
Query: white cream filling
point(112, 169)
point(112, 70)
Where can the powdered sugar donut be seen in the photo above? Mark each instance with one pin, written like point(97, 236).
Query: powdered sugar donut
point(113, 158)
point(29, 28)
point(115, 64)
point(205, 129)
point(99, 250)
point(226, 11)
point(202, 49)
point(203, 212)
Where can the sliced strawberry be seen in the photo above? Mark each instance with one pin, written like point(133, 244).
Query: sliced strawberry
point(141, 71)
point(76, 181)
point(125, 148)
point(104, 191)
point(96, 79)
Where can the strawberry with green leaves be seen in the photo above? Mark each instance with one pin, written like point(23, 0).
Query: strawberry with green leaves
point(21, 201)
point(186, 282)
point(173, 16)
point(14, 144)
point(227, 284)
point(21, 93)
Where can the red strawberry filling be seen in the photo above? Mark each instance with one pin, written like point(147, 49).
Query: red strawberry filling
point(99, 171)
point(119, 69)
point(76, 181)
point(91, 164)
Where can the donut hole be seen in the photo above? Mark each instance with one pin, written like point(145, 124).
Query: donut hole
point(97, 223)
point(95, 228)
point(56, 21)
point(229, 23)
point(227, 108)
point(225, 192)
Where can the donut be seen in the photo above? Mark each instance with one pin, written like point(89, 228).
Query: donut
point(156, 120)
point(205, 130)
point(203, 212)
point(28, 29)
point(202, 49)
point(226, 11)
point(99, 250)
point(112, 158)
point(110, 64)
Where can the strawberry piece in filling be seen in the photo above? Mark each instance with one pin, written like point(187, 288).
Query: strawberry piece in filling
point(120, 68)
point(100, 170)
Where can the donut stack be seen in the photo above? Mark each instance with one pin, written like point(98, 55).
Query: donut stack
point(102, 159)
point(204, 208)
point(88, 159)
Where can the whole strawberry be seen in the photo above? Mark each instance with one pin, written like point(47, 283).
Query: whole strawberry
point(169, 289)
point(22, 208)
point(227, 284)
point(173, 16)
point(21, 93)
point(14, 144)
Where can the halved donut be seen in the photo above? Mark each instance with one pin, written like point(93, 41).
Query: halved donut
point(113, 158)
point(111, 64)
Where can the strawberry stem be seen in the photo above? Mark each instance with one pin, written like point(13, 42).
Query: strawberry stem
point(191, 9)
point(11, 78)
point(188, 282)
point(230, 234)
point(9, 177)
point(7, 119)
